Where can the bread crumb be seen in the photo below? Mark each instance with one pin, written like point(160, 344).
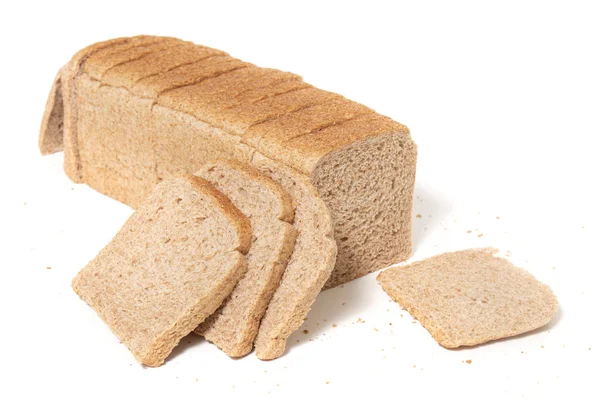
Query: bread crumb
point(327, 383)
point(480, 235)
point(305, 331)
point(553, 268)
point(25, 203)
point(469, 231)
point(414, 366)
point(343, 304)
point(376, 330)
point(497, 217)
point(414, 322)
point(334, 325)
point(419, 215)
point(469, 361)
point(48, 267)
point(196, 379)
point(362, 321)
point(542, 347)
point(390, 323)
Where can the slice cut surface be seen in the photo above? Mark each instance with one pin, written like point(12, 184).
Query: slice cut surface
point(470, 297)
point(170, 266)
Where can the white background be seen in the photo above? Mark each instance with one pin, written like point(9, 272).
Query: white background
point(504, 102)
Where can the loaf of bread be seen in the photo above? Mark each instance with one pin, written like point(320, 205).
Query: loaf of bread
point(131, 112)
point(170, 266)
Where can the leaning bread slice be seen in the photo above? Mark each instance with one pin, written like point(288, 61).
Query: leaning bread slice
point(310, 264)
point(470, 297)
point(269, 208)
point(171, 265)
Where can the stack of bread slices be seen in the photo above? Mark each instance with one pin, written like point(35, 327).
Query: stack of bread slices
point(233, 253)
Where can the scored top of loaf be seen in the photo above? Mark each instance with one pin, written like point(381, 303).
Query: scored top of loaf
point(274, 112)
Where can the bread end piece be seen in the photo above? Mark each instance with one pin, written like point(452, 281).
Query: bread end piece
point(51, 131)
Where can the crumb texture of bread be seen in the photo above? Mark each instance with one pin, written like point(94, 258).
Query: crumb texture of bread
point(269, 208)
point(310, 264)
point(143, 109)
point(470, 297)
point(169, 267)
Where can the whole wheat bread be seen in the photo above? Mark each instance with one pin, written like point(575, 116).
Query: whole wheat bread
point(309, 266)
point(140, 110)
point(268, 206)
point(470, 297)
point(170, 266)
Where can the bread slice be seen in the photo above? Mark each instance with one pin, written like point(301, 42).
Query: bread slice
point(51, 131)
point(470, 297)
point(143, 109)
point(309, 266)
point(269, 208)
point(170, 266)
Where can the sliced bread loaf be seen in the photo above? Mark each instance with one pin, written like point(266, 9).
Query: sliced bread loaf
point(470, 297)
point(143, 109)
point(309, 266)
point(171, 265)
point(269, 208)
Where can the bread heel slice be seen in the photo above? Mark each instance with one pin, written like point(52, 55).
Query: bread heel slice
point(169, 267)
point(51, 131)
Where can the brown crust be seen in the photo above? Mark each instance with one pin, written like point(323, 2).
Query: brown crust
point(287, 213)
point(237, 219)
point(315, 139)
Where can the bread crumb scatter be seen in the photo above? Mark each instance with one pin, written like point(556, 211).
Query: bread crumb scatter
point(305, 331)
point(419, 215)
point(469, 361)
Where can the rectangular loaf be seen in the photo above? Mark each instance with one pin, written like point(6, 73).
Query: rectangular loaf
point(131, 112)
